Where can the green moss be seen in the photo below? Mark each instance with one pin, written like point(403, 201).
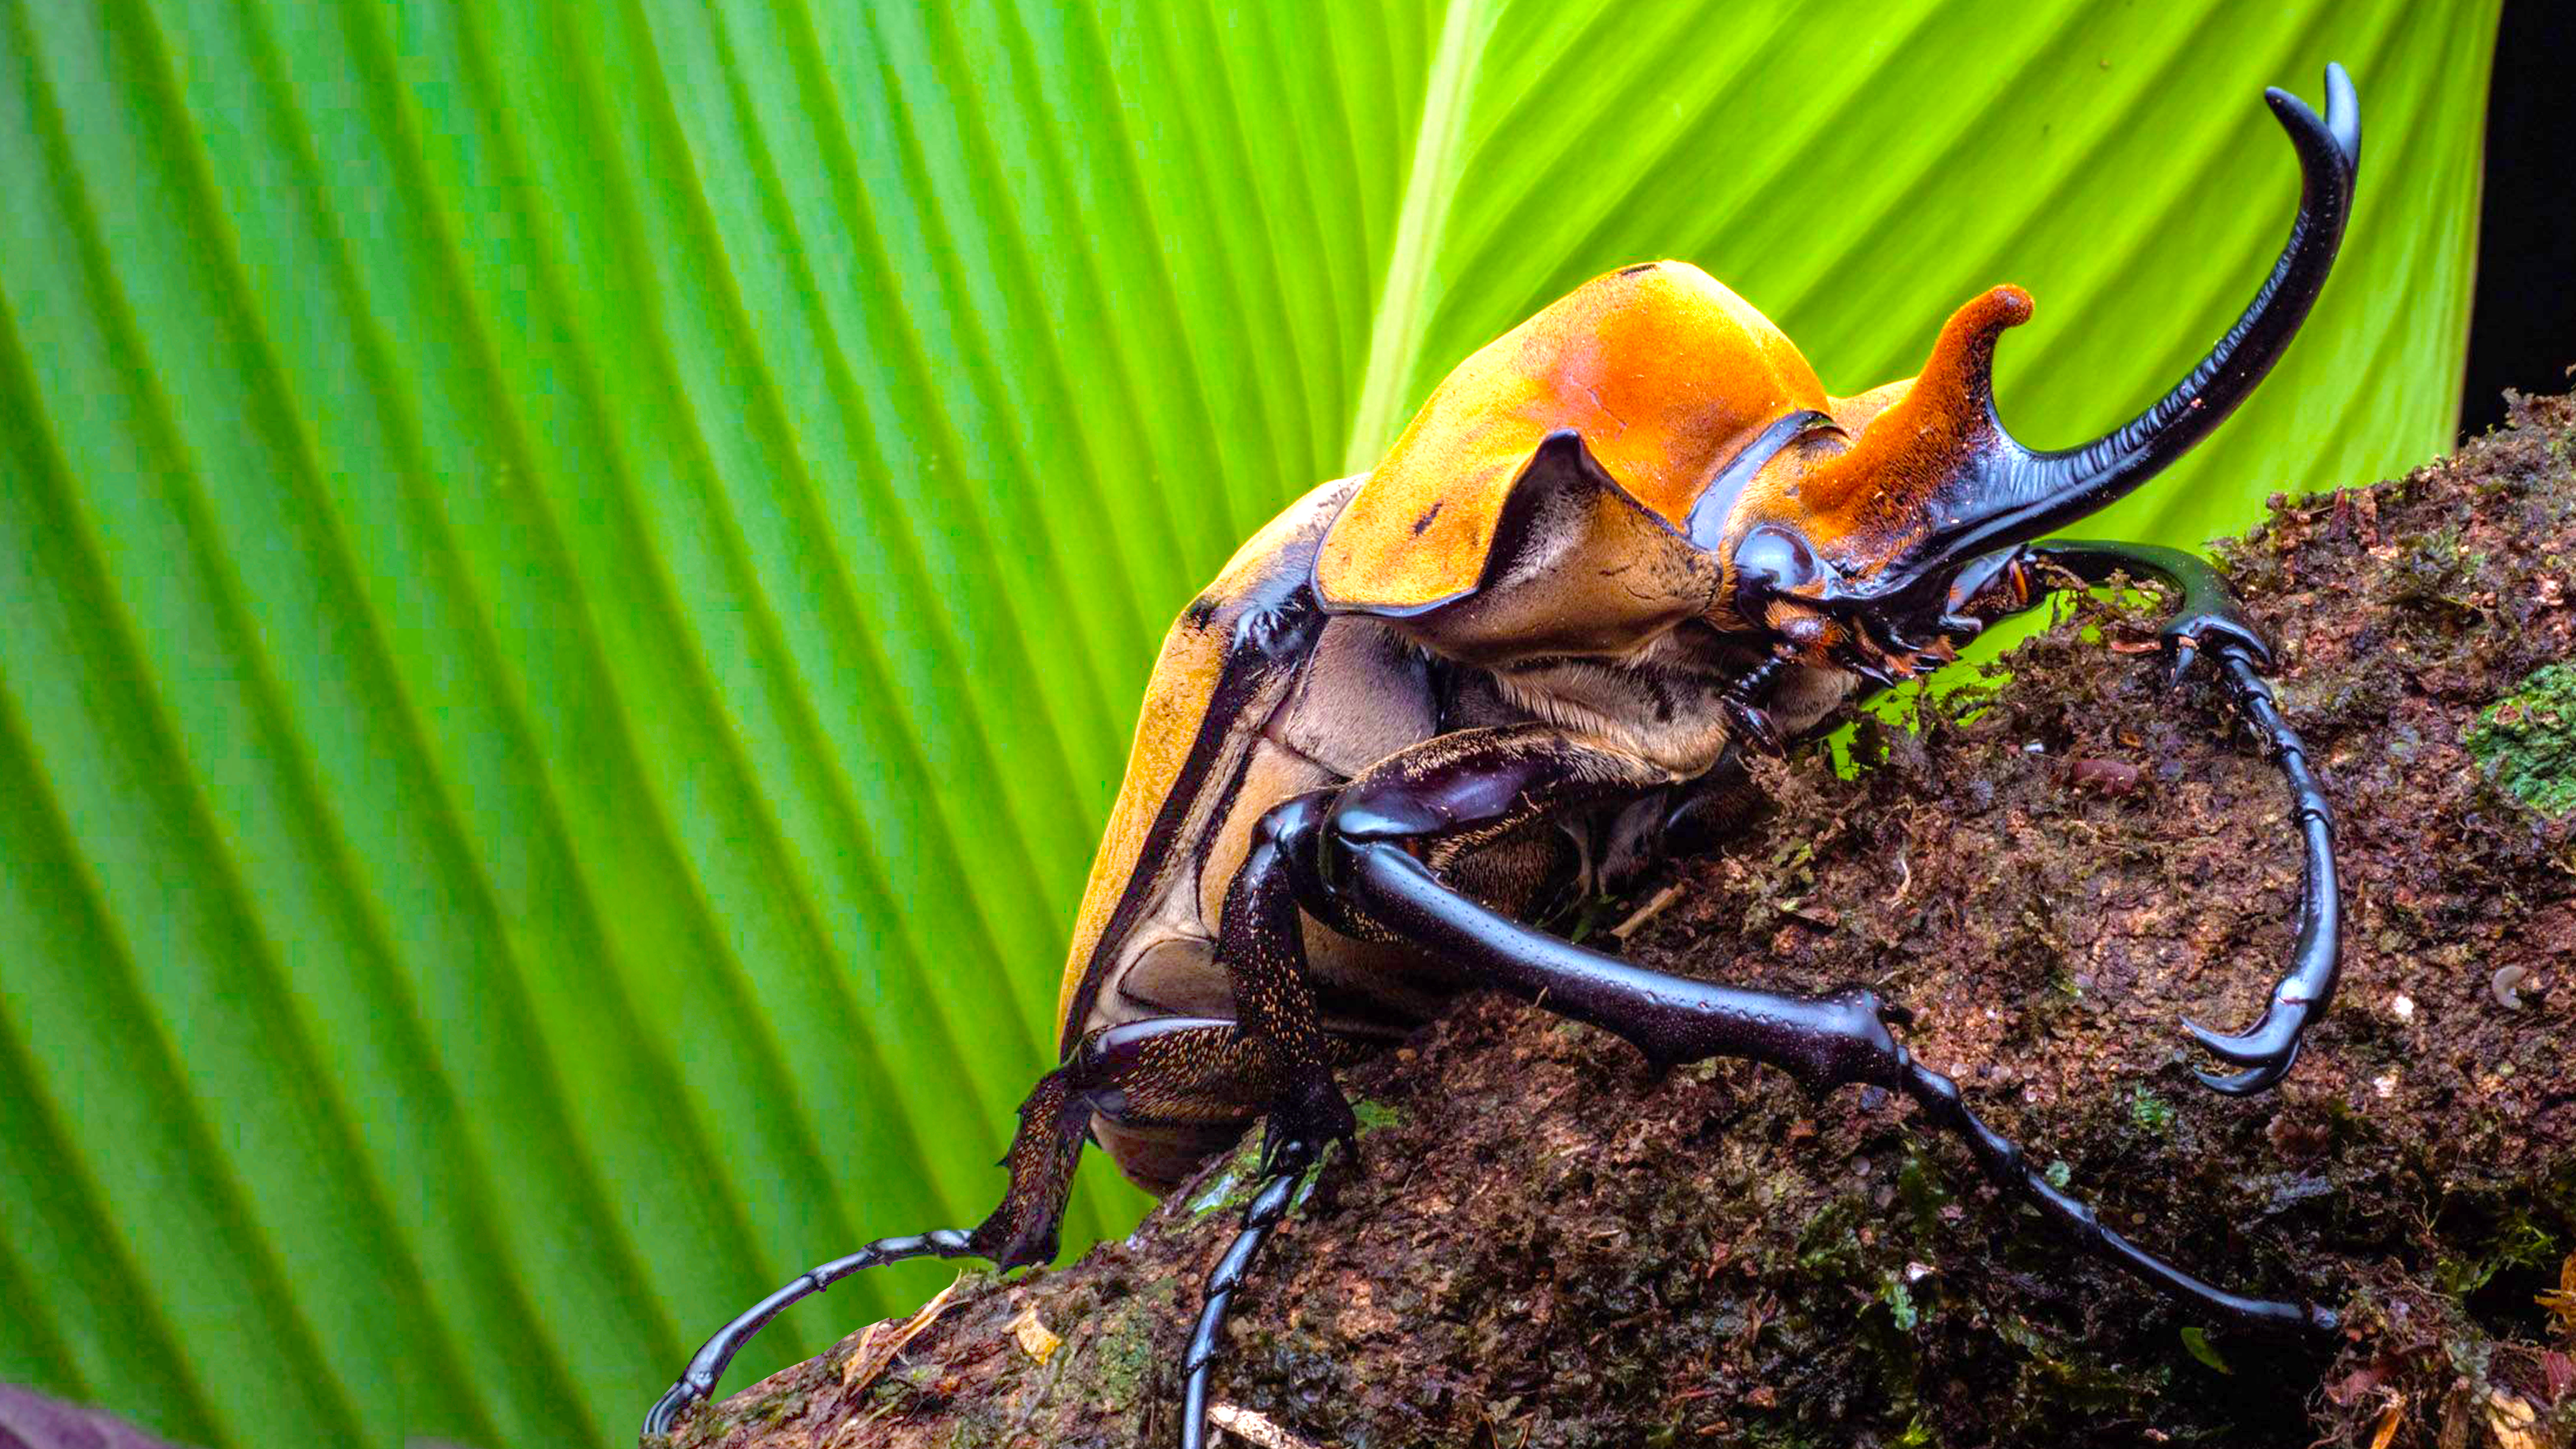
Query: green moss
point(1373, 1115)
point(2519, 1241)
point(2152, 1112)
point(1827, 1243)
point(2526, 741)
point(1900, 1302)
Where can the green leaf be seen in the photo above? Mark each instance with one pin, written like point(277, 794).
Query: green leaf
point(2196, 1343)
point(577, 575)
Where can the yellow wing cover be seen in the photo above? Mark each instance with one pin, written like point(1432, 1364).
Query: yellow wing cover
point(1664, 372)
point(1214, 686)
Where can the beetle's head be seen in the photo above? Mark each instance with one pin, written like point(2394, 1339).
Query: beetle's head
point(1847, 545)
point(1650, 449)
point(1855, 535)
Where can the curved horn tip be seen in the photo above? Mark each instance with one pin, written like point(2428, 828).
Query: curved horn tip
point(2341, 125)
point(1976, 324)
point(1968, 338)
point(2343, 112)
point(2005, 306)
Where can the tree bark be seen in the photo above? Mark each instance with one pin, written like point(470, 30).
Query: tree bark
point(1541, 1245)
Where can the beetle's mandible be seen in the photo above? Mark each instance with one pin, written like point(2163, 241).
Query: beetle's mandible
point(1621, 547)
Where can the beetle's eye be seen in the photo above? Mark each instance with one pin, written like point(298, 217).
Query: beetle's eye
point(1774, 563)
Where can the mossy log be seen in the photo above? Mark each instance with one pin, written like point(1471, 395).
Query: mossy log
point(1542, 1245)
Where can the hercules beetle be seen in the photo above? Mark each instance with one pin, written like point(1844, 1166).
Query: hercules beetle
point(1619, 548)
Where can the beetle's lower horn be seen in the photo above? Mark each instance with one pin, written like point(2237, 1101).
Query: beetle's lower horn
point(2003, 493)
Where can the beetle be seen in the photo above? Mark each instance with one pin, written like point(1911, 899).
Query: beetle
point(1621, 549)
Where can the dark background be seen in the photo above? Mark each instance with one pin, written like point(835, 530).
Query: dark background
point(2522, 333)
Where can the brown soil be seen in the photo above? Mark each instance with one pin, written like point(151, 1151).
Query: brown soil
point(1541, 1246)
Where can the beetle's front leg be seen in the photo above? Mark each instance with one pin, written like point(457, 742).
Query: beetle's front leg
point(1391, 832)
point(2208, 622)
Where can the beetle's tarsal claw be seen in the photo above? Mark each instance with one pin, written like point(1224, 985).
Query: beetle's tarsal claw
point(2266, 1052)
point(2246, 1049)
point(2251, 1080)
point(2184, 651)
point(1755, 726)
point(2213, 1042)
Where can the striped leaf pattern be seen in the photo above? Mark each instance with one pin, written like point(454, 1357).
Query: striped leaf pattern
point(575, 575)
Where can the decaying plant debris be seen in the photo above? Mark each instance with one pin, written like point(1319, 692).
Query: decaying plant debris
point(1541, 1246)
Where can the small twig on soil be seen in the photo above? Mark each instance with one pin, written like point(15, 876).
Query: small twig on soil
point(1653, 907)
point(1253, 1428)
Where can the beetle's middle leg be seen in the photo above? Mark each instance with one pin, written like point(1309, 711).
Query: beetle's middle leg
point(1392, 832)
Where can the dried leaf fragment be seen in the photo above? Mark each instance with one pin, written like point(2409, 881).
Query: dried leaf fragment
point(882, 1341)
point(1033, 1337)
point(1254, 1428)
point(2561, 1300)
point(2389, 1418)
point(2511, 1421)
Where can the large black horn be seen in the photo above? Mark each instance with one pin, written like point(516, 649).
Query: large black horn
point(2022, 494)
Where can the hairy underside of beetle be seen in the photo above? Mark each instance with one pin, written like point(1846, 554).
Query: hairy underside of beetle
point(1543, 1243)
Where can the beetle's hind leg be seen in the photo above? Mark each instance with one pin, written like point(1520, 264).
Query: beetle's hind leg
point(1021, 1230)
point(1166, 1069)
point(1288, 1057)
point(1285, 1162)
point(2208, 624)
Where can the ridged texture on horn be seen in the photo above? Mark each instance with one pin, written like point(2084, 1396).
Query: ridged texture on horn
point(2077, 481)
point(1878, 499)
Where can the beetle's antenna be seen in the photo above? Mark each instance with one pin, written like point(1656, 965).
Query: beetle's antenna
point(1268, 1206)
